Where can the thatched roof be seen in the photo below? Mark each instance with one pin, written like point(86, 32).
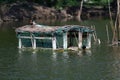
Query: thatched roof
point(52, 29)
point(35, 28)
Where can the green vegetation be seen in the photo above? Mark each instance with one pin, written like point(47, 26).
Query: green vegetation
point(98, 2)
point(61, 3)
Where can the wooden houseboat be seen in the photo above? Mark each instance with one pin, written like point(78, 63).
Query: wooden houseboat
point(55, 37)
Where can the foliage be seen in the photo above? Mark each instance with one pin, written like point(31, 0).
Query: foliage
point(98, 2)
point(61, 3)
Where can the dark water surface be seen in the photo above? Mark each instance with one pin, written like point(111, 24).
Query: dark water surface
point(102, 62)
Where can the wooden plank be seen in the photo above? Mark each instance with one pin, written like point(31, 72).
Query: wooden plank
point(79, 40)
point(65, 45)
point(43, 37)
point(34, 44)
point(54, 43)
point(25, 37)
point(88, 46)
point(19, 43)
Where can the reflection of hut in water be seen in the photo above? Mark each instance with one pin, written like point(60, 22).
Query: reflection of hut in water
point(55, 37)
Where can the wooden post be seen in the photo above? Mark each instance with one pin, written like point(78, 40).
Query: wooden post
point(65, 40)
point(54, 43)
point(20, 43)
point(79, 40)
point(89, 41)
point(34, 43)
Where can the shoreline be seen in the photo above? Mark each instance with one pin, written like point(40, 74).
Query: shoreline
point(26, 11)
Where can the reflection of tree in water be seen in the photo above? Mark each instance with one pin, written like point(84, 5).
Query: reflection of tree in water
point(116, 26)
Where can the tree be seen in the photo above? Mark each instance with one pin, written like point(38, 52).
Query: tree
point(116, 27)
point(118, 18)
point(80, 11)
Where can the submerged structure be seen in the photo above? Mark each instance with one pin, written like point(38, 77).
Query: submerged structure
point(55, 37)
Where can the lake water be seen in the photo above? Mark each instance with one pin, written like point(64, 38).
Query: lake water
point(102, 62)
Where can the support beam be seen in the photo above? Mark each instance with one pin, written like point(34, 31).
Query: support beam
point(88, 46)
point(65, 42)
point(79, 40)
point(54, 43)
point(34, 43)
point(19, 43)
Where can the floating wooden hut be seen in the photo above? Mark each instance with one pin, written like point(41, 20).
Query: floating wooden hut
point(54, 36)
